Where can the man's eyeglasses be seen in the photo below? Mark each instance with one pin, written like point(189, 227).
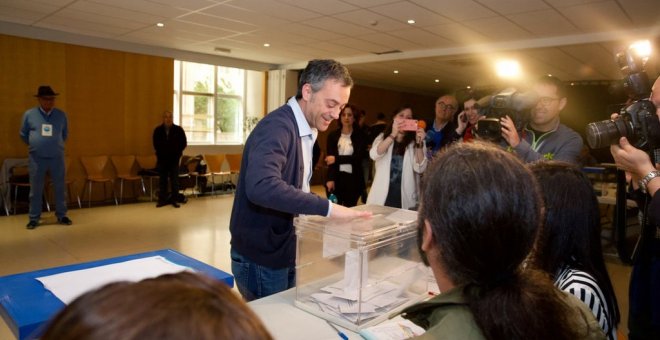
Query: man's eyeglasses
point(547, 100)
point(444, 106)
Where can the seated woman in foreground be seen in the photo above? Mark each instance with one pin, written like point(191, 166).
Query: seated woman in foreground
point(479, 216)
point(172, 306)
point(569, 247)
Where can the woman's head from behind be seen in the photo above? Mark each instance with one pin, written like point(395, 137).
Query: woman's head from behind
point(479, 219)
point(482, 206)
point(173, 306)
point(570, 230)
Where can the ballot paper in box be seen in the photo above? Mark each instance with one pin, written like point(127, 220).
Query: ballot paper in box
point(356, 273)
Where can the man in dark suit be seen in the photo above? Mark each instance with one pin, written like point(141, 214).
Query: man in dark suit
point(169, 141)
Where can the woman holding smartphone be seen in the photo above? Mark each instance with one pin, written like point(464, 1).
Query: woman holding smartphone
point(398, 155)
point(346, 149)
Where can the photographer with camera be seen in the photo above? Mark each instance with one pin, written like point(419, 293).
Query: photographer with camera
point(644, 293)
point(544, 137)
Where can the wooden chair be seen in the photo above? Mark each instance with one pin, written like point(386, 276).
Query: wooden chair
point(20, 178)
point(94, 166)
point(214, 168)
point(148, 169)
point(234, 161)
point(69, 181)
point(124, 168)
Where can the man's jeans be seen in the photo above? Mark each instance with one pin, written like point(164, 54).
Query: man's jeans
point(255, 281)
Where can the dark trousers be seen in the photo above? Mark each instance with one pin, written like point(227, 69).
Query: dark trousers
point(168, 171)
point(346, 189)
point(38, 168)
point(644, 295)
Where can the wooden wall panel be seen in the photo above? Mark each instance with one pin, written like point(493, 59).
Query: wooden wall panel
point(95, 92)
point(113, 99)
point(25, 64)
point(148, 93)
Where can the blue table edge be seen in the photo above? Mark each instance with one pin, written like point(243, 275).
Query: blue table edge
point(38, 305)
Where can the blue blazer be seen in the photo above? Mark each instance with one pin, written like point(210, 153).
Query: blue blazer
point(269, 193)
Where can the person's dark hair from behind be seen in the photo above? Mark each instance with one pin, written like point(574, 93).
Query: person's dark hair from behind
point(409, 136)
point(571, 235)
point(484, 210)
point(320, 70)
point(380, 116)
point(172, 306)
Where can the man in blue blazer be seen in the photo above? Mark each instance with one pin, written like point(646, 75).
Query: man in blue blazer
point(273, 184)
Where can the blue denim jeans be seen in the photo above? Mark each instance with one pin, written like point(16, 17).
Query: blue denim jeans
point(255, 281)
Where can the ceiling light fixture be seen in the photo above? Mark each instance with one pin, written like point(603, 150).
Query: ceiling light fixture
point(411, 21)
point(160, 24)
point(642, 48)
point(266, 45)
point(222, 49)
point(507, 68)
point(437, 80)
point(469, 87)
point(396, 71)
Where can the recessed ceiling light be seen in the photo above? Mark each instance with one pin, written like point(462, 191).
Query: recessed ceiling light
point(469, 87)
point(266, 45)
point(572, 84)
point(411, 21)
point(437, 80)
point(396, 71)
point(549, 75)
point(160, 24)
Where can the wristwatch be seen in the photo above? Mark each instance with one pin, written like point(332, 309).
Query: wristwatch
point(645, 181)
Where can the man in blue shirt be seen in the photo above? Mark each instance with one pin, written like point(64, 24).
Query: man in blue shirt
point(273, 184)
point(442, 130)
point(44, 130)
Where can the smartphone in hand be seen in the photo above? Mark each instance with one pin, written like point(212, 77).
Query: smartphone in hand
point(409, 125)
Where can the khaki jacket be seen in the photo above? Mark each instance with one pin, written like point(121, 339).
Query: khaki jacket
point(447, 316)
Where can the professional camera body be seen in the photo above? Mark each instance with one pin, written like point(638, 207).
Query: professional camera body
point(638, 121)
point(508, 102)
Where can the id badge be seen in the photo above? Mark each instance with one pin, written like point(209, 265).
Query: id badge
point(47, 130)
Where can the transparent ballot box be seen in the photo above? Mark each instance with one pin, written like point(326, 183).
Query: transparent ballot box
point(356, 273)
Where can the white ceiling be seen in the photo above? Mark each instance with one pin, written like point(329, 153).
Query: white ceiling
point(453, 41)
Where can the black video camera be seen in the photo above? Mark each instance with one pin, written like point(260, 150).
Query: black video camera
point(508, 102)
point(638, 121)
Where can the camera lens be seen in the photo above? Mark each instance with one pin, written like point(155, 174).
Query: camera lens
point(489, 129)
point(605, 133)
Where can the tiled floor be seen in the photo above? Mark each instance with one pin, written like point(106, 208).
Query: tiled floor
point(199, 229)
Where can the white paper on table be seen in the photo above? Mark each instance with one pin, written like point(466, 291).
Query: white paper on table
point(69, 285)
point(395, 329)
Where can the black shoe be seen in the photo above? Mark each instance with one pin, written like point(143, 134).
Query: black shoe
point(65, 220)
point(161, 204)
point(176, 205)
point(32, 224)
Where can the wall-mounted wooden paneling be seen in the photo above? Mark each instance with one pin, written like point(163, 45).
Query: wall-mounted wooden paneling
point(25, 64)
point(113, 99)
point(147, 93)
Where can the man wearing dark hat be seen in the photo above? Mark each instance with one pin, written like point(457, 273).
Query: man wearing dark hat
point(45, 130)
